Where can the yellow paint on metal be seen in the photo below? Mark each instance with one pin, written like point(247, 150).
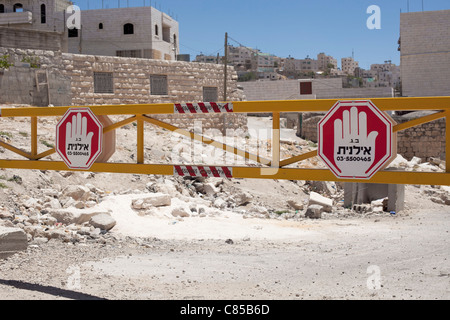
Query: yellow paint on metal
point(419, 121)
point(140, 139)
point(275, 140)
point(298, 158)
point(447, 143)
point(15, 150)
point(119, 124)
point(34, 122)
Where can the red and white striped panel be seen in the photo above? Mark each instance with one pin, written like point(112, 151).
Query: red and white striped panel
point(199, 171)
point(203, 107)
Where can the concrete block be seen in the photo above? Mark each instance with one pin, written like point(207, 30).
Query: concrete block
point(12, 240)
point(326, 203)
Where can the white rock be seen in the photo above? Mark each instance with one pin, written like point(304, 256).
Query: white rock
point(180, 212)
point(151, 200)
point(242, 198)
point(103, 221)
point(295, 205)
point(73, 216)
point(210, 189)
point(220, 203)
point(11, 241)
point(326, 203)
point(77, 192)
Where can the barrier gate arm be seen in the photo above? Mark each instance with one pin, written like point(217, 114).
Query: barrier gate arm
point(139, 114)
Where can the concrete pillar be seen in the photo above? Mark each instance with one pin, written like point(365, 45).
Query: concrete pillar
point(359, 193)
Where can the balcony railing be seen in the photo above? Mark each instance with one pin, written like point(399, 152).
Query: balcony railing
point(13, 18)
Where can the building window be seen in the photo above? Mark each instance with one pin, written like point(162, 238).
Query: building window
point(158, 85)
point(73, 33)
point(18, 7)
point(100, 26)
point(210, 94)
point(129, 53)
point(2, 8)
point(128, 28)
point(103, 82)
point(156, 30)
point(43, 14)
point(305, 87)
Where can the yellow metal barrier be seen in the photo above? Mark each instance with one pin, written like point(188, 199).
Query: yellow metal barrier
point(272, 168)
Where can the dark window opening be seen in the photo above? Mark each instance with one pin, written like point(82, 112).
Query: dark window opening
point(305, 87)
point(43, 14)
point(18, 7)
point(73, 33)
point(158, 85)
point(100, 26)
point(210, 94)
point(156, 29)
point(128, 28)
point(103, 82)
point(2, 8)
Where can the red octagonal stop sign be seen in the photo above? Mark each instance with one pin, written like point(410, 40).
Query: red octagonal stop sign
point(79, 136)
point(355, 139)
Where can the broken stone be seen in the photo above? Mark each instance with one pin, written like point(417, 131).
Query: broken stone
point(295, 205)
point(180, 212)
point(322, 187)
point(326, 203)
point(314, 211)
point(220, 203)
point(242, 198)
point(5, 214)
point(77, 192)
point(103, 221)
point(12, 240)
point(68, 216)
point(210, 189)
point(152, 200)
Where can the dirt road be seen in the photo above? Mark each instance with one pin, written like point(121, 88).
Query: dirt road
point(376, 257)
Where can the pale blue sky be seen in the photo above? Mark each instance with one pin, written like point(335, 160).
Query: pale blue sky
point(295, 28)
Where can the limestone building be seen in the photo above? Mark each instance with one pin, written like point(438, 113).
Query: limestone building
point(425, 53)
point(348, 65)
point(44, 15)
point(324, 61)
point(138, 32)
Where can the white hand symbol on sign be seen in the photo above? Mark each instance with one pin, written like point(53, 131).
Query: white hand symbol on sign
point(354, 150)
point(78, 141)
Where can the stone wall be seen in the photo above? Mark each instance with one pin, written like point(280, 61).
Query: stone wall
point(32, 39)
point(18, 82)
point(321, 89)
point(423, 141)
point(425, 53)
point(131, 83)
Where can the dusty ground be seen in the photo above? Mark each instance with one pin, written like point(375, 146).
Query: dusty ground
point(229, 255)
